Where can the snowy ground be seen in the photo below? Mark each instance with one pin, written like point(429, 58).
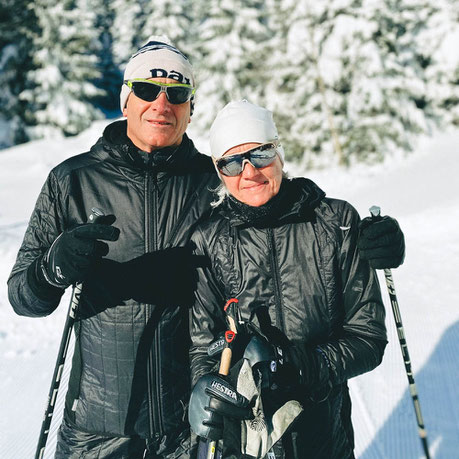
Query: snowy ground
point(421, 191)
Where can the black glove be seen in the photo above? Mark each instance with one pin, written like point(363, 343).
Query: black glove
point(271, 365)
point(381, 242)
point(74, 251)
point(166, 277)
point(212, 399)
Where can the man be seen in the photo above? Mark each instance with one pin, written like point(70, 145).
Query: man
point(129, 384)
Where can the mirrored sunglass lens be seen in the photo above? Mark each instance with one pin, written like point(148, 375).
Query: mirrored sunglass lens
point(232, 165)
point(146, 91)
point(262, 158)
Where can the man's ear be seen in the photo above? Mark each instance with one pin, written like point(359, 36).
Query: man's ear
point(125, 106)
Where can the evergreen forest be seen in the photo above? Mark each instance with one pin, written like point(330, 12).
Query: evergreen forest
point(347, 80)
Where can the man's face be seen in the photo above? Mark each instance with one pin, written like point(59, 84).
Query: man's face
point(157, 124)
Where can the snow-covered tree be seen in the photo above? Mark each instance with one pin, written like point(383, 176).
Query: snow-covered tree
point(171, 19)
point(16, 20)
point(126, 31)
point(231, 55)
point(110, 77)
point(302, 96)
point(355, 81)
point(63, 89)
point(442, 38)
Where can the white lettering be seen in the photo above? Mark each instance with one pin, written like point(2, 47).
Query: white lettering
point(224, 389)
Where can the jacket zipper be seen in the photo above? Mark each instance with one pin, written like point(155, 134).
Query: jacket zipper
point(153, 368)
point(276, 279)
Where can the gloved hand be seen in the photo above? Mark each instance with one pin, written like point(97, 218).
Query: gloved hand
point(163, 277)
point(212, 399)
point(74, 251)
point(266, 378)
point(381, 242)
point(271, 365)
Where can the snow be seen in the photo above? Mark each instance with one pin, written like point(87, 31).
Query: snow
point(420, 190)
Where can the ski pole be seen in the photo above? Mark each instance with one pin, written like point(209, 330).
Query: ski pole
point(225, 359)
point(61, 356)
point(375, 212)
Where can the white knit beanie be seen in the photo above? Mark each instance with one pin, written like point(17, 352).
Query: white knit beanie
point(158, 58)
point(242, 122)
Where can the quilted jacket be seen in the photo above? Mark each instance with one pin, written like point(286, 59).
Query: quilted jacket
point(297, 265)
point(130, 373)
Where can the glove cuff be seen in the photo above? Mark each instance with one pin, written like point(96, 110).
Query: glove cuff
point(40, 284)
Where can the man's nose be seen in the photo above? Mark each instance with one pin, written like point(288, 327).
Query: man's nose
point(160, 104)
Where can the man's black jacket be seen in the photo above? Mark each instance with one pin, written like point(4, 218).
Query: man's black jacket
point(130, 368)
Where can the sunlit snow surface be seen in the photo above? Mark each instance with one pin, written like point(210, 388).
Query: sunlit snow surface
point(421, 191)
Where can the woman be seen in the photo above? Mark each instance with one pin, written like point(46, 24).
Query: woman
point(289, 256)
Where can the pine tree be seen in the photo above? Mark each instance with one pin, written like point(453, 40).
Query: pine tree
point(354, 84)
point(391, 93)
point(110, 78)
point(63, 89)
point(231, 55)
point(171, 19)
point(16, 20)
point(129, 20)
point(302, 96)
point(443, 72)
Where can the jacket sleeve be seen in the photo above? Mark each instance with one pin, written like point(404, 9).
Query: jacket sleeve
point(357, 346)
point(206, 316)
point(44, 226)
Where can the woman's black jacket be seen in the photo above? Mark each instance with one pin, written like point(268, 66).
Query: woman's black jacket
point(130, 367)
point(300, 264)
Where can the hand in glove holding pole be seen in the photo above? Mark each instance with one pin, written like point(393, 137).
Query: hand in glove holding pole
point(384, 264)
point(381, 242)
point(69, 242)
point(213, 397)
point(74, 251)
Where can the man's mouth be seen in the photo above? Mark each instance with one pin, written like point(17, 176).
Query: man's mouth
point(159, 123)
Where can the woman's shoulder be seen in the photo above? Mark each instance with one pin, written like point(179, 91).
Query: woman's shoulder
point(210, 227)
point(337, 212)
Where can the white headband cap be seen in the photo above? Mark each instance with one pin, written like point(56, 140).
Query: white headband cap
point(242, 122)
point(158, 58)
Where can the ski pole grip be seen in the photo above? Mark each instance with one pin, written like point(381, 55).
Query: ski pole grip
point(225, 361)
point(375, 212)
point(227, 353)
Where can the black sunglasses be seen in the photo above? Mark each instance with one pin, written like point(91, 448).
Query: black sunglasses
point(147, 90)
point(258, 157)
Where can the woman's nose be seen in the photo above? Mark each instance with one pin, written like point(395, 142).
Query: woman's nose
point(248, 170)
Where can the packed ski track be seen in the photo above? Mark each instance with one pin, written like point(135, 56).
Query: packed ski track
point(421, 191)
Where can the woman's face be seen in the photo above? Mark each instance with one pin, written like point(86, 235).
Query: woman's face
point(253, 186)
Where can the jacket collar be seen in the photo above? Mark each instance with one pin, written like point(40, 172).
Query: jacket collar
point(121, 148)
point(296, 200)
